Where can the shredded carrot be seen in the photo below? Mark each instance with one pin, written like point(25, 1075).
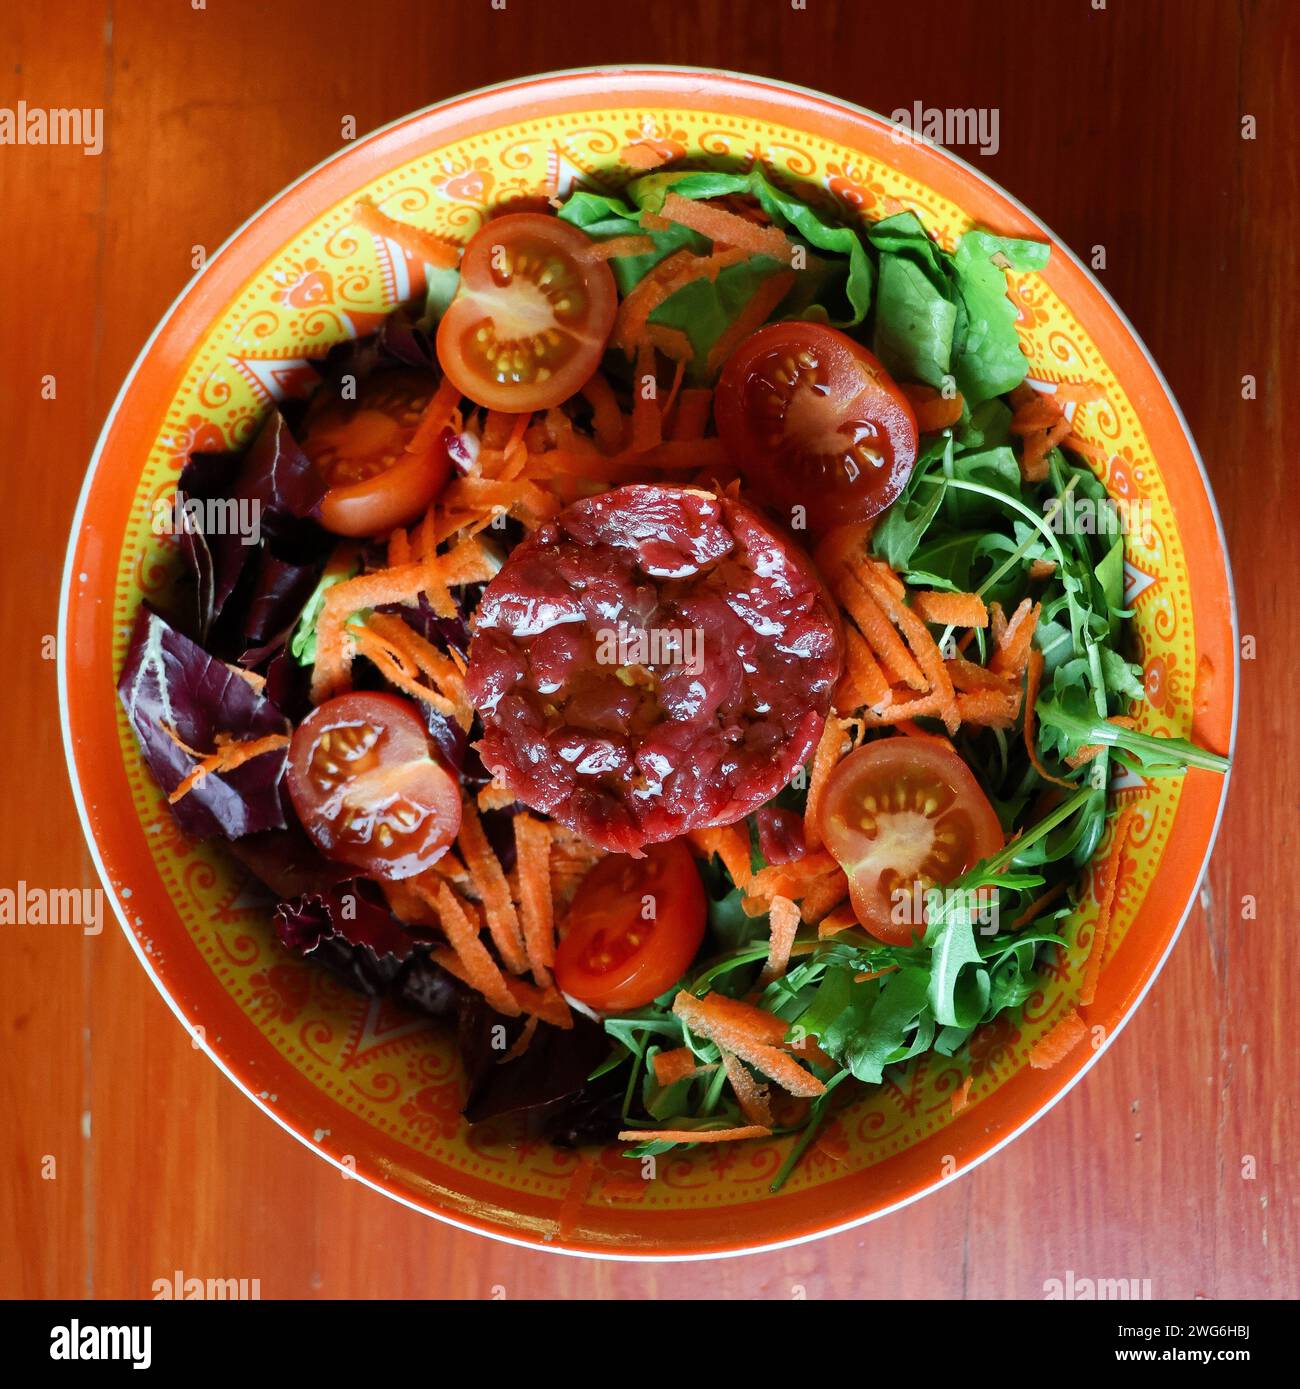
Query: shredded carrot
point(645, 154)
point(874, 974)
point(901, 711)
point(479, 970)
point(533, 854)
point(726, 228)
point(1042, 569)
point(659, 284)
point(1089, 750)
point(863, 682)
point(1057, 1044)
point(841, 919)
point(494, 796)
point(704, 1017)
point(607, 419)
point(1038, 905)
point(227, 756)
point(647, 422)
point(630, 245)
point(865, 611)
point(575, 1197)
point(693, 409)
point(399, 548)
point(547, 1004)
point(750, 1095)
point(494, 891)
point(731, 844)
point(412, 239)
point(823, 895)
point(497, 495)
point(961, 1095)
point(784, 923)
point(988, 708)
point(966, 675)
point(465, 564)
point(756, 1023)
point(1041, 425)
point(912, 730)
point(830, 748)
point(790, 879)
point(933, 410)
point(951, 609)
point(1011, 653)
point(522, 1042)
point(1110, 876)
point(441, 668)
point(674, 1065)
point(762, 304)
point(389, 659)
point(692, 1135)
point(927, 654)
point(672, 342)
point(1033, 680)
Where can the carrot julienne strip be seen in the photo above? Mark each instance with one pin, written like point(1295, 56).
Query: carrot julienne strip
point(727, 228)
point(647, 423)
point(693, 409)
point(923, 646)
point(478, 969)
point(1057, 1044)
point(607, 419)
point(692, 1135)
point(871, 621)
point(674, 1065)
point(950, 609)
point(498, 905)
point(703, 1017)
point(731, 845)
point(1011, 652)
point(1092, 970)
point(784, 923)
point(761, 306)
point(830, 748)
point(227, 757)
point(631, 245)
point(533, 854)
point(413, 239)
point(750, 1095)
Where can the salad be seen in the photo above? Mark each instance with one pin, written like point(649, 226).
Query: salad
point(666, 659)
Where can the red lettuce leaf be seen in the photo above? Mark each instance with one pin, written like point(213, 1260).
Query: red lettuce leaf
point(169, 679)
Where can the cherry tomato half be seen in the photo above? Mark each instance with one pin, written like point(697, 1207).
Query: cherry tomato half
point(366, 788)
point(814, 420)
point(633, 928)
point(529, 322)
point(902, 812)
point(362, 449)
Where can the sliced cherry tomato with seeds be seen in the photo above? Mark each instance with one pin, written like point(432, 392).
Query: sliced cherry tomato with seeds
point(633, 928)
point(813, 420)
point(360, 448)
point(367, 788)
point(529, 322)
point(902, 814)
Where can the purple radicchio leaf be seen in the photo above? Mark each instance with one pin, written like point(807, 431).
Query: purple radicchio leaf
point(167, 679)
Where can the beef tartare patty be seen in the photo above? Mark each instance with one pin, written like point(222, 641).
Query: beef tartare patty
point(654, 660)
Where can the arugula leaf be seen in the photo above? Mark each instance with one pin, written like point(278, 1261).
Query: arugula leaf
point(1068, 723)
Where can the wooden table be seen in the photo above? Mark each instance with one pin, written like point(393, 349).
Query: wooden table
point(1122, 128)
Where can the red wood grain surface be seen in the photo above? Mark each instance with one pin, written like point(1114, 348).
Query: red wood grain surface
point(124, 1155)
